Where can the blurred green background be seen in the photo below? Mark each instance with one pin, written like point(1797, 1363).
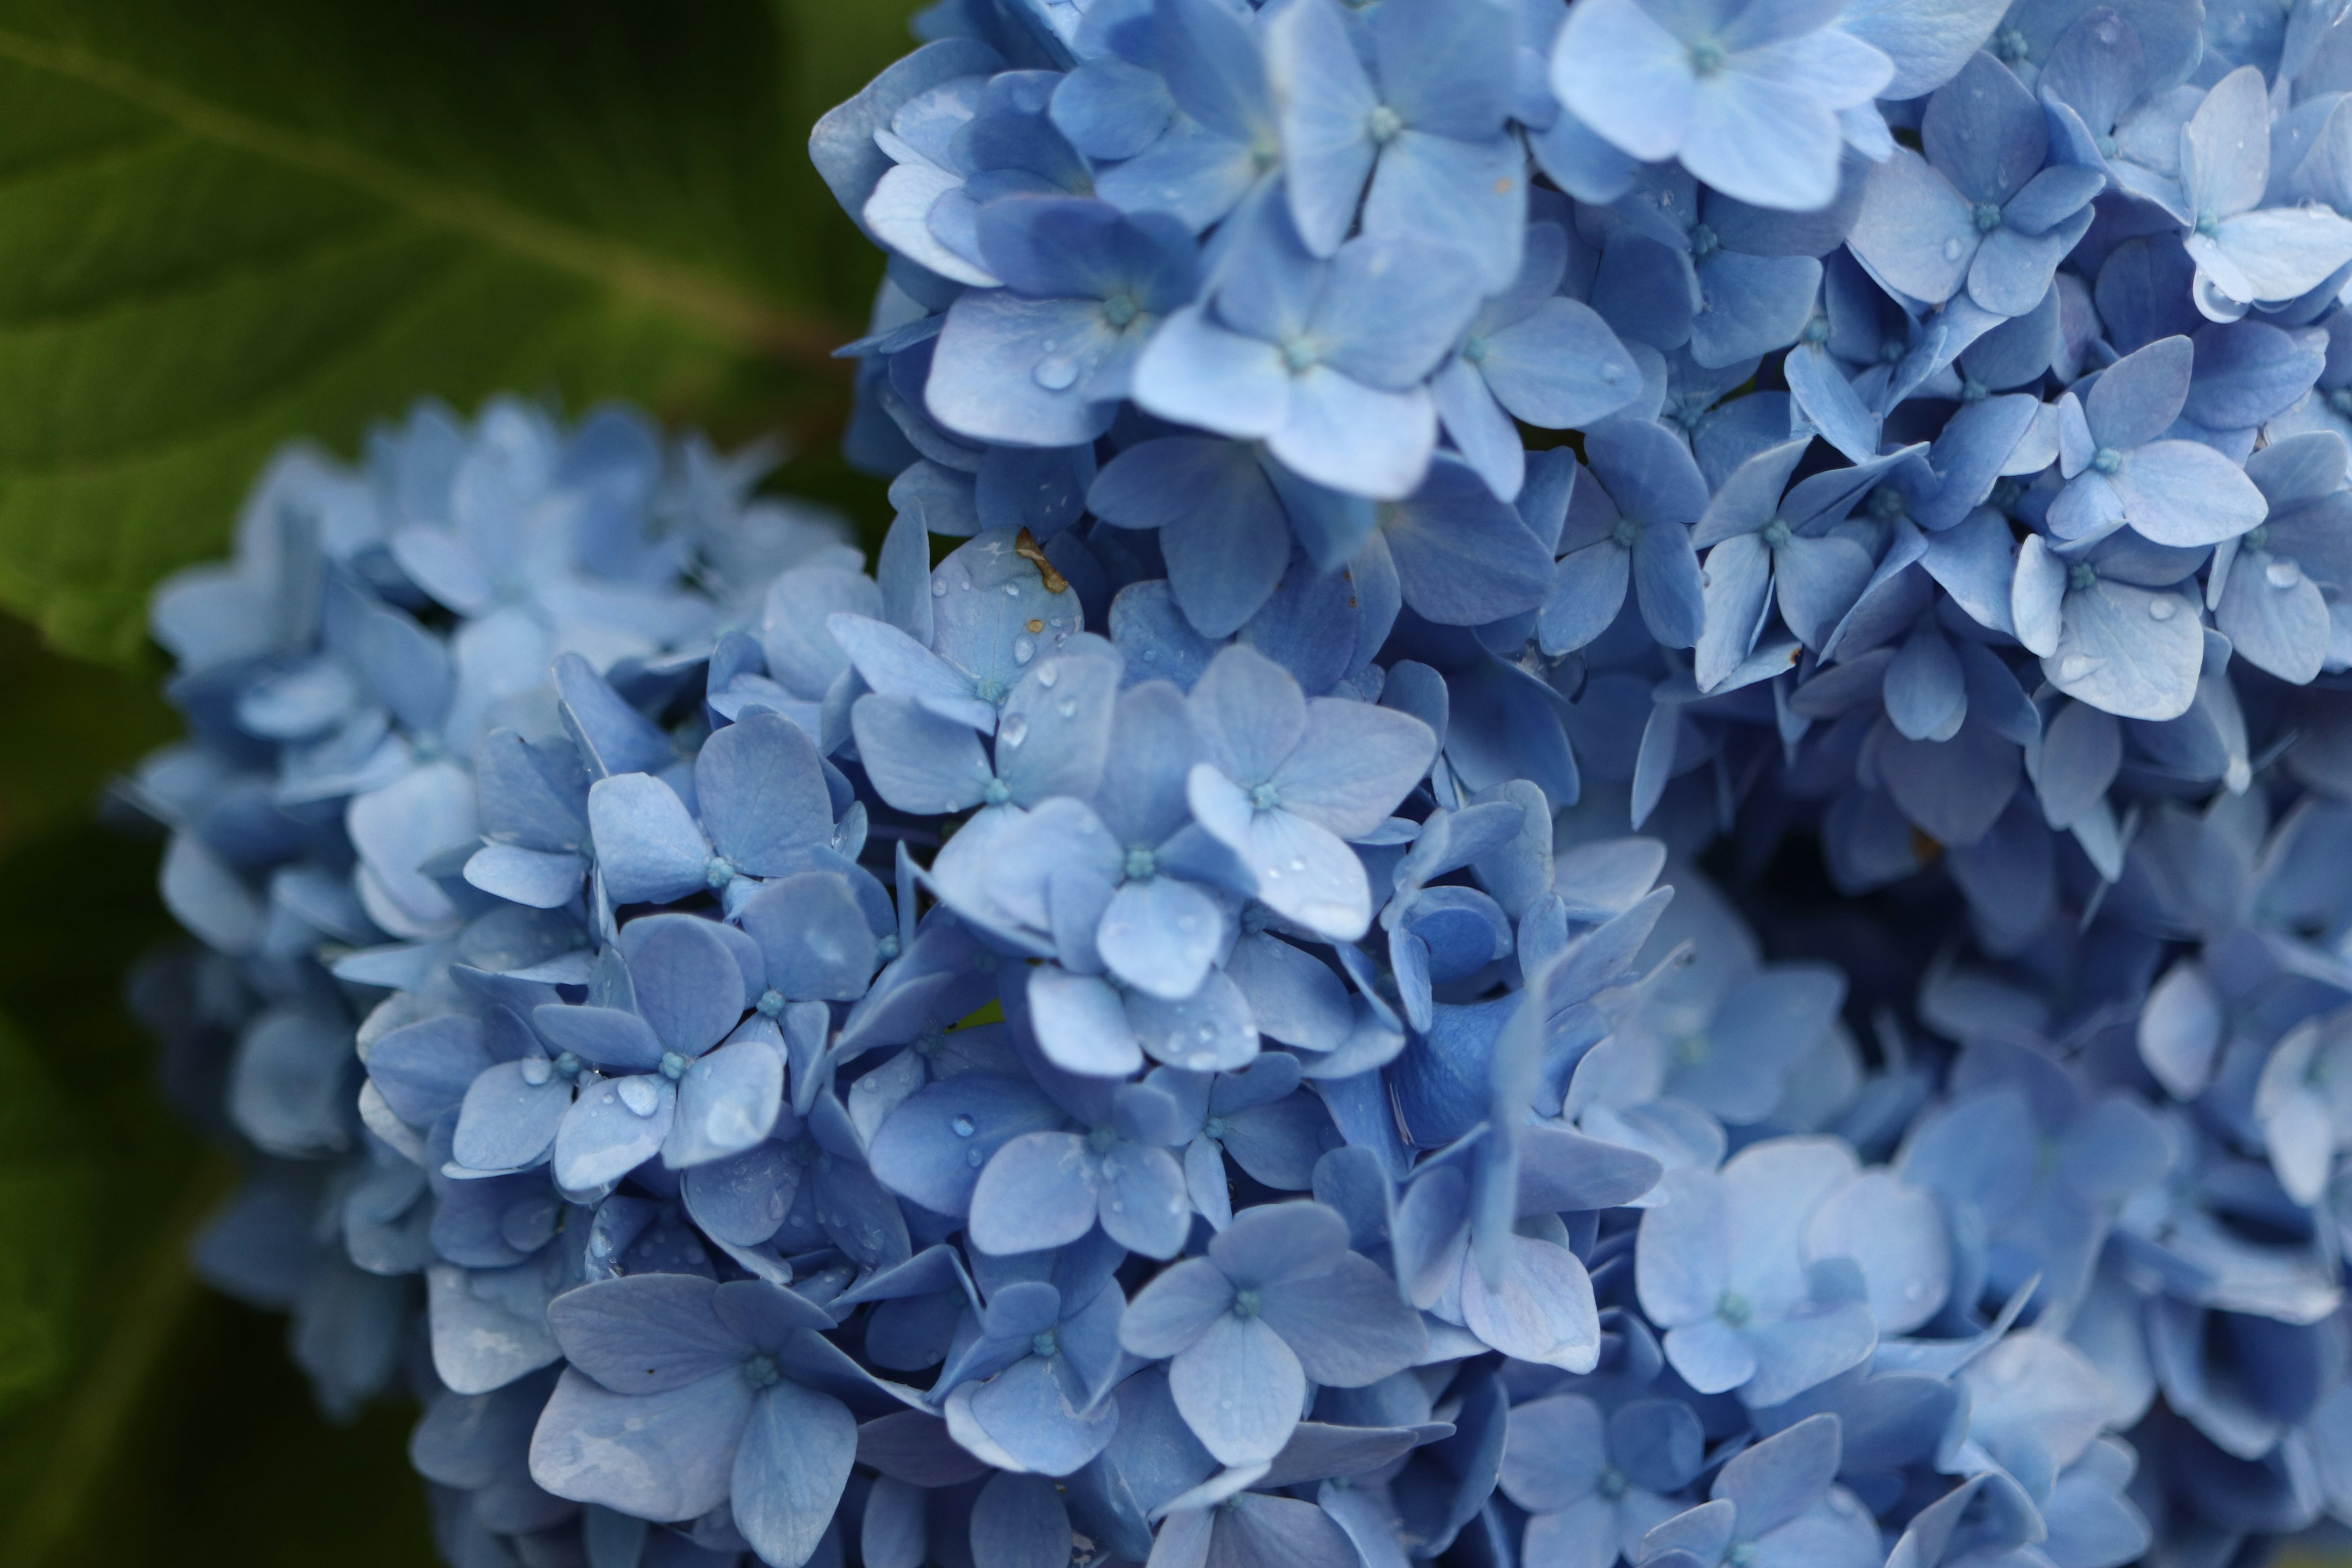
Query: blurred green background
point(222, 226)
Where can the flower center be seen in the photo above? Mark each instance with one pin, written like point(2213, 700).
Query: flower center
point(1974, 391)
point(1705, 242)
point(1245, 1303)
point(2011, 45)
point(2080, 578)
point(1610, 1484)
point(1265, 797)
point(1120, 310)
point(1734, 1309)
point(1985, 215)
point(566, 1065)
point(1046, 1344)
point(674, 1065)
point(1143, 865)
point(1625, 534)
point(1777, 534)
point(887, 947)
point(1887, 504)
point(1299, 355)
point(1817, 331)
point(2257, 538)
point(2207, 223)
point(1705, 58)
point(1477, 350)
point(1382, 125)
point(772, 1002)
point(1742, 1554)
point(2107, 460)
point(2340, 400)
point(997, 793)
point(718, 871)
point(1102, 1139)
point(761, 1371)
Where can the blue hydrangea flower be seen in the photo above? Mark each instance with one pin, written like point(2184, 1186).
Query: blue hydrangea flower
point(1745, 95)
point(1171, 976)
point(1279, 1298)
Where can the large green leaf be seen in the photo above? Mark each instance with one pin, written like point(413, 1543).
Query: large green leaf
point(226, 225)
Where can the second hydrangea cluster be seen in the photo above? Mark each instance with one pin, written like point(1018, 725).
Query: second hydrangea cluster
point(1133, 1031)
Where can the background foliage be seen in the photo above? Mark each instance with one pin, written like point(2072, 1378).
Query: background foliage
point(222, 226)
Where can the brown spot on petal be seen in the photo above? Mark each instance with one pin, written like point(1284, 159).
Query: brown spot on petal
point(1026, 545)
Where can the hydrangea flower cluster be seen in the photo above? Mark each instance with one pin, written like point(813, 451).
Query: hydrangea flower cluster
point(1137, 1031)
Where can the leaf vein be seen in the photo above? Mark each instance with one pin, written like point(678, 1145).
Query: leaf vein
point(713, 304)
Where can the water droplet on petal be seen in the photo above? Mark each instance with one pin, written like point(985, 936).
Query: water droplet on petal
point(1013, 731)
point(1056, 372)
point(1024, 650)
point(1012, 590)
point(938, 588)
point(638, 1094)
point(2282, 574)
point(973, 1158)
point(1298, 865)
point(2163, 607)
point(1048, 673)
point(1068, 708)
point(1952, 249)
point(964, 1126)
point(537, 1071)
point(2075, 666)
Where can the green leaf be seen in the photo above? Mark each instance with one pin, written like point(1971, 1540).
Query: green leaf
point(46, 1190)
point(225, 226)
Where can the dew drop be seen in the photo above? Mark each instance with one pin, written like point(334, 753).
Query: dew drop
point(2163, 607)
point(1298, 865)
point(2282, 574)
point(1952, 249)
point(973, 1157)
point(964, 1126)
point(537, 1071)
point(638, 1094)
point(1023, 649)
point(1048, 673)
point(1013, 731)
point(938, 588)
point(1055, 373)
point(1068, 708)
point(1012, 590)
point(2075, 666)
